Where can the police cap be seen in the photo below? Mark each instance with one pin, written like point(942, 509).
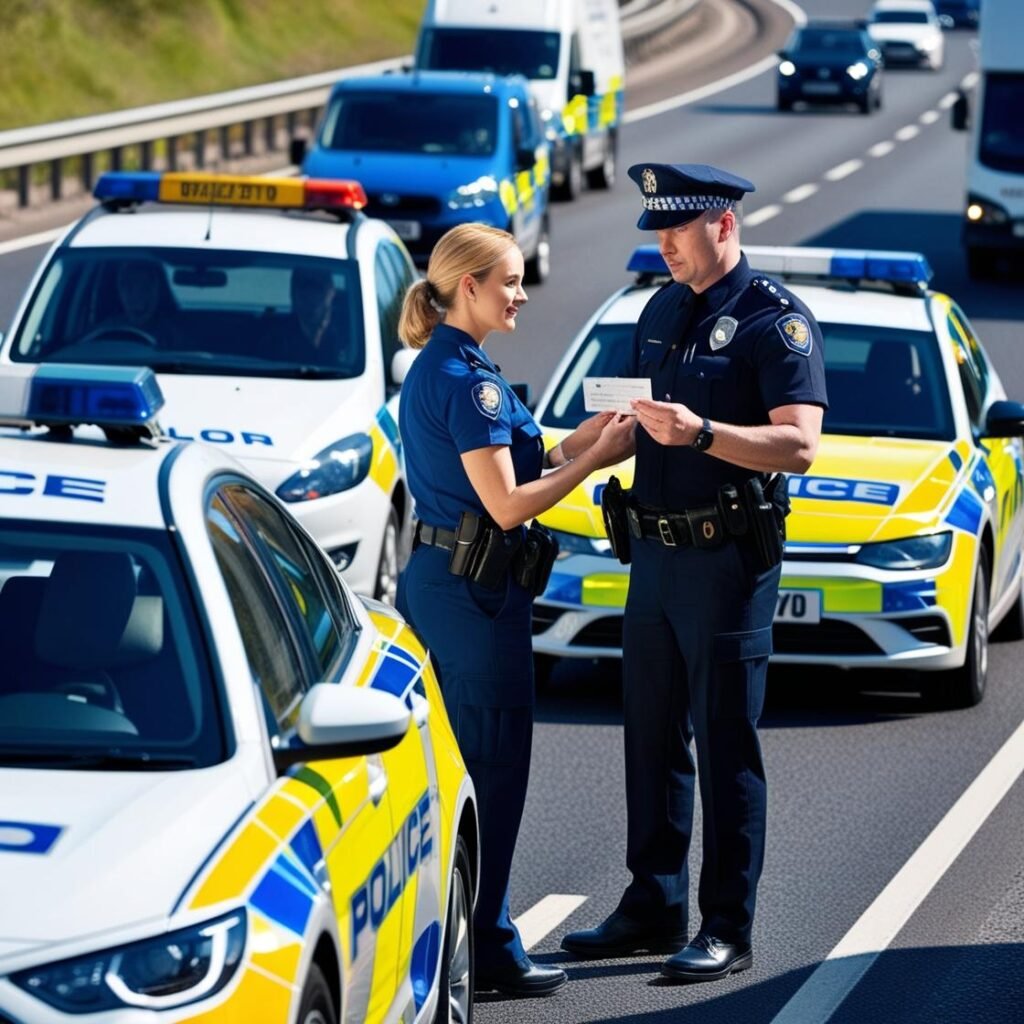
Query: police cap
point(676, 193)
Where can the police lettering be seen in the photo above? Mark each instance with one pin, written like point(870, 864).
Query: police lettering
point(13, 481)
point(226, 192)
point(213, 435)
point(381, 891)
point(823, 488)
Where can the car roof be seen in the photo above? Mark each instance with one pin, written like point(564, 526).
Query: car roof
point(903, 5)
point(454, 82)
point(222, 228)
point(827, 25)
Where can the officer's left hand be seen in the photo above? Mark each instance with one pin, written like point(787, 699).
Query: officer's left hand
point(667, 422)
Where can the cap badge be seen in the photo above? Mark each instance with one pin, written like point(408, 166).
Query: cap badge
point(650, 181)
point(723, 331)
point(487, 398)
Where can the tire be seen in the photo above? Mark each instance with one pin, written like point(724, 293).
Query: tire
point(571, 188)
point(878, 100)
point(981, 264)
point(538, 266)
point(1012, 626)
point(317, 1006)
point(964, 687)
point(455, 985)
point(603, 176)
point(866, 105)
point(385, 586)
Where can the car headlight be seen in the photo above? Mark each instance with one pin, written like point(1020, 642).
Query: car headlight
point(787, 68)
point(337, 468)
point(575, 544)
point(172, 970)
point(909, 553)
point(477, 193)
point(981, 212)
point(858, 71)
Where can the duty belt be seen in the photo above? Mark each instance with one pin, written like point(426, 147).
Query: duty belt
point(700, 527)
point(435, 536)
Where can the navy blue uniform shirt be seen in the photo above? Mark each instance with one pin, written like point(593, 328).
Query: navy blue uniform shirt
point(454, 401)
point(742, 347)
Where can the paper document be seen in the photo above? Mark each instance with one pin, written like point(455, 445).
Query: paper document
point(612, 394)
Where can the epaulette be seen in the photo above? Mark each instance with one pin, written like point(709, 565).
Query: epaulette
point(772, 290)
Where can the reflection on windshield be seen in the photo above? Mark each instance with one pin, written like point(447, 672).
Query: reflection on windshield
point(384, 122)
point(1002, 127)
point(503, 52)
point(100, 670)
point(815, 41)
point(191, 311)
point(881, 382)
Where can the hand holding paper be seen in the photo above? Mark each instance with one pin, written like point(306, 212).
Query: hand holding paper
point(613, 394)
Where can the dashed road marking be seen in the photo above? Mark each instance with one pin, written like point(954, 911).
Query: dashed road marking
point(751, 220)
point(545, 916)
point(844, 170)
point(948, 100)
point(970, 80)
point(833, 980)
point(929, 117)
point(800, 193)
point(883, 148)
point(908, 132)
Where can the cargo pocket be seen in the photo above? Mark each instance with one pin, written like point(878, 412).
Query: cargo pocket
point(494, 735)
point(740, 673)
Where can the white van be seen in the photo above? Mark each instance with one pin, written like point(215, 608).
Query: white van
point(570, 50)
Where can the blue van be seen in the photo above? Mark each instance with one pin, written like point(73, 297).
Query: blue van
point(437, 149)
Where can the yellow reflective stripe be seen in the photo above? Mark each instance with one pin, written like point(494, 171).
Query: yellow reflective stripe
point(258, 996)
point(605, 589)
point(839, 595)
point(542, 168)
point(237, 868)
point(383, 464)
point(574, 116)
point(507, 192)
point(273, 949)
point(524, 188)
point(281, 816)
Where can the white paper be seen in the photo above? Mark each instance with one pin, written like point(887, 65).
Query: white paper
point(613, 394)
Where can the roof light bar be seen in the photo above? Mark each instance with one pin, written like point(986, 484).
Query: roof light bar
point(106, 396)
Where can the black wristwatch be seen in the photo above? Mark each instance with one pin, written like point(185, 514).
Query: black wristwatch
point(705, 437)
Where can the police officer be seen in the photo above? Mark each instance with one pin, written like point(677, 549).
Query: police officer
point(473, 450)
point(738, 385)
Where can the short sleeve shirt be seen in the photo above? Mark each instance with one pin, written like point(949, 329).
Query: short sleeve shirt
point(741, 348)
point(454, 400)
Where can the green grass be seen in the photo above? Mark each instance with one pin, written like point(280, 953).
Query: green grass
point(69, 58)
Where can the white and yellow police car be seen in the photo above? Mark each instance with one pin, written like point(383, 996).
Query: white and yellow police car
point(229, 790)
point(904, 541)
point(269, 310)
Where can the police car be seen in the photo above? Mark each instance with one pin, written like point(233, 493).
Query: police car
point(269, 310)
point(228, 789)
point(904, 541)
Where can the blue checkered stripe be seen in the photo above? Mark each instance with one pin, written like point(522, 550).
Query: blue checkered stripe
point(686, 202)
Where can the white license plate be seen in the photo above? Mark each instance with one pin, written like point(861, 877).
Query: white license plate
point(407, 230)
point(798, 606)
point(821, 88)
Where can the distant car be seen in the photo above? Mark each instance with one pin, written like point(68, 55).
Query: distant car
point(903, 547)
point(438, 148)
point(830, 62)
point(229, 790)
point(958, 13)
point(909, 32)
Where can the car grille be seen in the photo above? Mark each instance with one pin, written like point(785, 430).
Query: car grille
point(900, 51)
point(544, 617)
point(429, 206)
point(600, 633)
point(929, 629)
point(829, 636)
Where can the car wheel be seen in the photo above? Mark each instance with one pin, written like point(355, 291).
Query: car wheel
point(386, 587)
point(965, 686)
point(603, 176)
point(878, 99)
point(455, 986)
point(981, 263)
point(538, 266)
point(1012, 626)
point(316, 1006)
point(573, 184)
point(866, 105)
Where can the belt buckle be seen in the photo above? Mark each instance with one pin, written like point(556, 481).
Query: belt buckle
point(665, 530)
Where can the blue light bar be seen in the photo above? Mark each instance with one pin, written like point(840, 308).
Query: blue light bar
point(136, 186)
point(115, 396)
point(646, 259)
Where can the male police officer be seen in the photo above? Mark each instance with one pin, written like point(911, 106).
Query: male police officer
point(738, 385)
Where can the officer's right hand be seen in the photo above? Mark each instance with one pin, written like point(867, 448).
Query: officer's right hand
point(616, 442)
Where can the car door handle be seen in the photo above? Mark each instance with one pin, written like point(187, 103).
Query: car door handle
point(420, 708)
point(378, 780)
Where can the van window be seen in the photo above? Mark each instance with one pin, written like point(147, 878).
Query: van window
point(1001, 142)
point(502, 51)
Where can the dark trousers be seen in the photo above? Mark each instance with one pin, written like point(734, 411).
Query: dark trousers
point(697, 636)
point(480, 642)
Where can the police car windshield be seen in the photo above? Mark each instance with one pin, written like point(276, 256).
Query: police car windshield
point(440, 124)
point(503, 52)
point(881, 382)
point(1002, 128)
point(197, 311)
point(102, 666)
point(829, 41)
point(900, 17)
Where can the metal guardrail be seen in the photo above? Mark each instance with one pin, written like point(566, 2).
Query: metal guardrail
point(245, 122)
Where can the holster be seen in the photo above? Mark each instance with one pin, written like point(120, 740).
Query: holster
point(615, 511)
point(483, 551)
point(766, 510)
point(535, 559)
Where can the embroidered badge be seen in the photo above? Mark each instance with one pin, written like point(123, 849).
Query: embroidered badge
point(487, 398)
point(649, 180)
point(796, 333)
point(723, 331)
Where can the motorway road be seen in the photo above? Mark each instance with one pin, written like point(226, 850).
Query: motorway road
point(857, 780)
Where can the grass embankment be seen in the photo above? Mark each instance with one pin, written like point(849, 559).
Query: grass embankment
point(69, 58)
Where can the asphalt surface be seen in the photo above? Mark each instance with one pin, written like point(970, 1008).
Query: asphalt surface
point(857, 779)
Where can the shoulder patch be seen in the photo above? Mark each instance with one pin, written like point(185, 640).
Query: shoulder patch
point(772, 290)
point(487, 397)
point(796, 333)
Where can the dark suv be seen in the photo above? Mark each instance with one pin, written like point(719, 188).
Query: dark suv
point(830, 62)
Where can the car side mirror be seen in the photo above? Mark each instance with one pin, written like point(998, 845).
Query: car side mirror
point(961, 112)
point(338, 720)
point(401, 363)
point(522, 391)
point(584, 83)
point(297, 150)
point(1005, 419)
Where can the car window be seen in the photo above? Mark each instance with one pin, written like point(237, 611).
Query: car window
point(509, 52)
point(197, 311)
point(967, 368)
point(1001, 139)
point(837, 41)
point(900, 17)
point(392, 277)
point(103, 657)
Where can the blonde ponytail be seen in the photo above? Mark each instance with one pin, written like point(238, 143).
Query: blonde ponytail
point(419, 317)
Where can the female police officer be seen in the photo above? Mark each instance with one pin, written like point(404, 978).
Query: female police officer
point(473, 451)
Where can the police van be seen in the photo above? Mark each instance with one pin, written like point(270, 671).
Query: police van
point(229, 790)
point(570, 50)
point(269, 310)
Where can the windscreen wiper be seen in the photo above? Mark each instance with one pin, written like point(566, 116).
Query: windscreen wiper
point(95, 761)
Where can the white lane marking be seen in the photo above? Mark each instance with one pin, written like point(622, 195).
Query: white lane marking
point(882, 148)
point(907, 132)
point(800, 193)
point(545, 916)
point(929, 117)
point(27, 241)
point(685, 98)
point(751, 220)
point(820, 995)
point(948, 100)
point(844, 170)
point(970, 80)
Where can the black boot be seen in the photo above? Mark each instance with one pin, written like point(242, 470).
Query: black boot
point(619, 935)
